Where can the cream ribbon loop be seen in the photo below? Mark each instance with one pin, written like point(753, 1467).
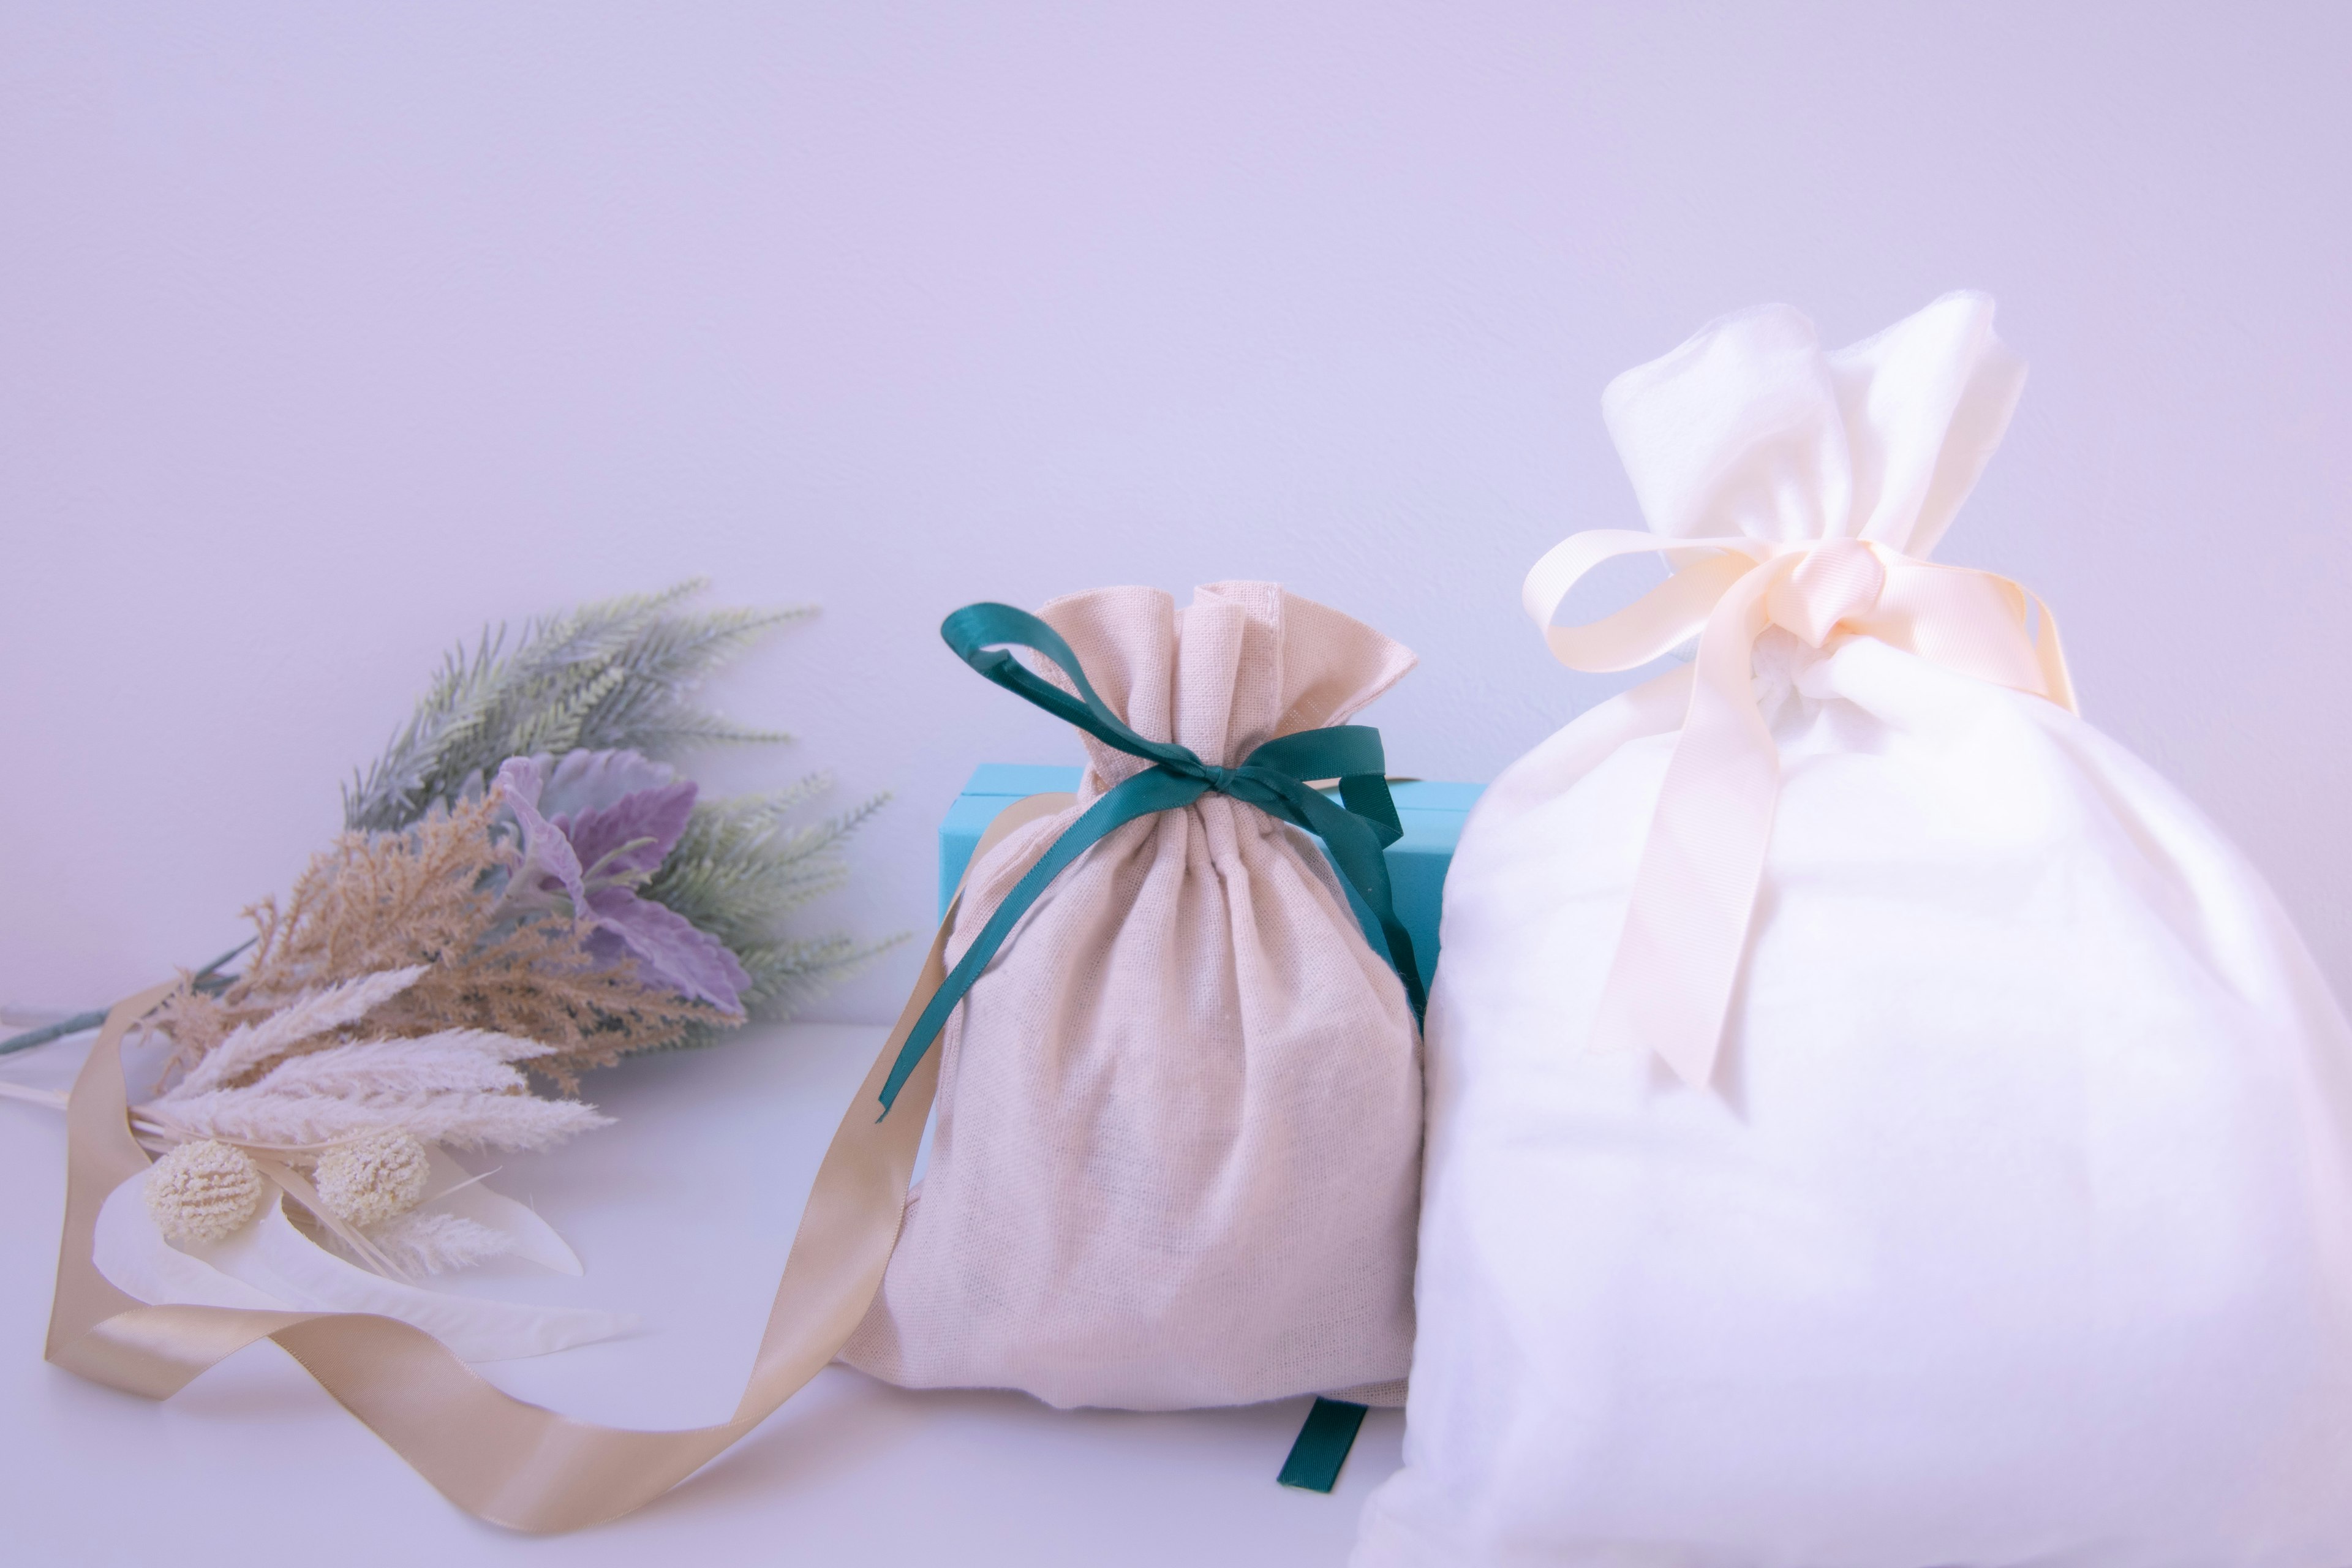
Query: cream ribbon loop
point(1836, 581)
point(1693, 897)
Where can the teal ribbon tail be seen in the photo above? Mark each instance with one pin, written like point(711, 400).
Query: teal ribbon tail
point(1357, 829)
point(1321, 1446)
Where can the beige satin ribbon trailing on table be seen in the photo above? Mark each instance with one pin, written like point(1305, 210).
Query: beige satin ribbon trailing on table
point(494, 1456)
point(1694, 896)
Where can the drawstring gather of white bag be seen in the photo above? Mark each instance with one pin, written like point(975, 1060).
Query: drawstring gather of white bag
point(1694, 895)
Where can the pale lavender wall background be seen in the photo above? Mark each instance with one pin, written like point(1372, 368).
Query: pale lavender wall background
point(329, 332)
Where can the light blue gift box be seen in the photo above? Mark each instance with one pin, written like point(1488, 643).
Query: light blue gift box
point(1430, 811)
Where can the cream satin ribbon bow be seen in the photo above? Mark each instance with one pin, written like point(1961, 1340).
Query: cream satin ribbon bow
point(1694, 895)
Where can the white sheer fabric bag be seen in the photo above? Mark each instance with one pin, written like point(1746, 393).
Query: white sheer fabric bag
point(1874, 1122)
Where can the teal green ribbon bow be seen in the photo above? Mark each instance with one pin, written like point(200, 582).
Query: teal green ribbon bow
point(1272, 778)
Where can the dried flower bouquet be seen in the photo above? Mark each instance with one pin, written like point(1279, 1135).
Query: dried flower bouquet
point(525, 886)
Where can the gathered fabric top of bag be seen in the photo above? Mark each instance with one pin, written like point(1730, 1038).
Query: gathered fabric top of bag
point(1752, 427)
point(1797, 494)
point(1244, 664)
point(1240, 671)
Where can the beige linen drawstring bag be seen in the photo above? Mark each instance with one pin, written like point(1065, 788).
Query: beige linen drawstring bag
point(1177, 1151)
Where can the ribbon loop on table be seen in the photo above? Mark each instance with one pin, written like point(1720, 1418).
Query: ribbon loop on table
point(1693, 897)
point(1273, 778)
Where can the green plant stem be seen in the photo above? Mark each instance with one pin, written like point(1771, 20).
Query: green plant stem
point(206, 980)
point(48, 1032)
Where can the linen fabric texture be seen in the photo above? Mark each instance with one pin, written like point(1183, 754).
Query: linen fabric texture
point(2012, 1226)
point(1176, 1155)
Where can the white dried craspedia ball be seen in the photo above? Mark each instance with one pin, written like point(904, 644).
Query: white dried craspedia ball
point(376, 1176)
point(204, 1191)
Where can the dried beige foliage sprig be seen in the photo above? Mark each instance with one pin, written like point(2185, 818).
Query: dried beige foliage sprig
point(417, 900)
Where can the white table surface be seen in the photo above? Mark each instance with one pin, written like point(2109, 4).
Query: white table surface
point(682, 1212)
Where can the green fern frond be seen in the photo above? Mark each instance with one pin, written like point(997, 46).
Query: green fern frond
point(788, 976)
point(616, 674)
point(742, 866)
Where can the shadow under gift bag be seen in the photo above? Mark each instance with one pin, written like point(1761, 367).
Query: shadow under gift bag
point(1177, 1157)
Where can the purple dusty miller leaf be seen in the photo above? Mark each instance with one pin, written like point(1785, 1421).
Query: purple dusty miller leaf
point(625, 816)
point(522, 779)
point(649, 819)
point(595, 781)
point(670, 950)
point(546, 867)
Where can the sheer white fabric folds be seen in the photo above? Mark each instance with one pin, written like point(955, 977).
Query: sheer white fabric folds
point(2006, 1219)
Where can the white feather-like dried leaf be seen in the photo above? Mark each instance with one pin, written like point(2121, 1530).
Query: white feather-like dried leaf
point(457, 1061)
point(267, 1121)
point(520, 1121)
point(471, 1197)
point(307, 1016)
point(436, 1243)
point(453, 1086)
point(468, 1121)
